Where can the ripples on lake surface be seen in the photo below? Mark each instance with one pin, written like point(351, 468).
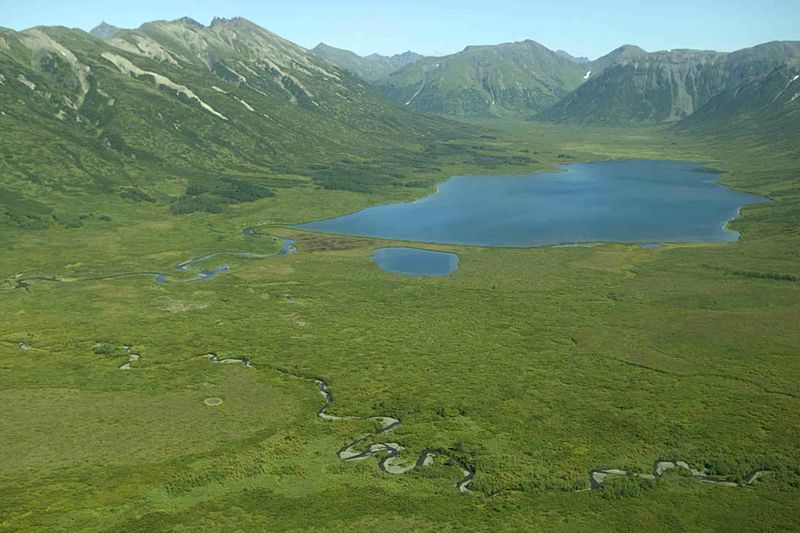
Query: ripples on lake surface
point(617, 201)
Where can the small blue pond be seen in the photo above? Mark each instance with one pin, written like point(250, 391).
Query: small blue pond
point(415, 261)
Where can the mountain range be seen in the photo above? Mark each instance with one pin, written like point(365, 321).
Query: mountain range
point(668, 86)
point(371, 68)
point(485, 80)
point(201, 116)
point(214, 106)
point(503, 80)
point(624, 87)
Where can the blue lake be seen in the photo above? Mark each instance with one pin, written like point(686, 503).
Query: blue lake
point(415, 261)
point(618, 201)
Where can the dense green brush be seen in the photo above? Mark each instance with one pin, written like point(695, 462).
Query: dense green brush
point(534, 366)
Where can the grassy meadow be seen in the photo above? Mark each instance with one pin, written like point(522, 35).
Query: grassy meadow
point(534, 366)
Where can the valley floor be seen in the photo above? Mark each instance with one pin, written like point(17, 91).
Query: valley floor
point(531, 367)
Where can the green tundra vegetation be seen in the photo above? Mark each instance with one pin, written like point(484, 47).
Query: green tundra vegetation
point(533, 367)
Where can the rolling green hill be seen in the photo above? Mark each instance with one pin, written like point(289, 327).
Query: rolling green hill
point(667, 86)
point(486, 80)
point(371, 68)
point(151, 112)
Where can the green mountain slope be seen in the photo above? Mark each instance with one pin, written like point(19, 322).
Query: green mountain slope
point(767, 108)
point(371, 67)
point(666, 86)
point(152, 111)
point(484, 80)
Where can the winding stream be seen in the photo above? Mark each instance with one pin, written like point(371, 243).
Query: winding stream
point(132, 357)
point(386, 452)
point(287, 247)
point(245, 361)
point(597, 477)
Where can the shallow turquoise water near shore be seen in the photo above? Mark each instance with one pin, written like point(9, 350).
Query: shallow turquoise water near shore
point(608, 201)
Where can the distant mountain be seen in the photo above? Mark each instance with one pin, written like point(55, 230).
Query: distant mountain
point(619, 55)
point(667, 86)
point(483, 80)
point(180, 102)
point(398, 60)
point(570, 56)
point(105, 31)
point(371, 67)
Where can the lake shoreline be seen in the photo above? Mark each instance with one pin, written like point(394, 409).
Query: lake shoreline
point(628, 208)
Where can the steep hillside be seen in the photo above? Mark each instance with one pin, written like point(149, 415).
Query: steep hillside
point(767, 107)
point(176, 103)
point(666, 86)
point(371, 67)
point(483, 80)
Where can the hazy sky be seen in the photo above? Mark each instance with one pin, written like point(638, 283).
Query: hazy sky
point(436, 27)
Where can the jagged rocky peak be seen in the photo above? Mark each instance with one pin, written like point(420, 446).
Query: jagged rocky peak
point(105, 30)
point(399, 60)
point(234, 21)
